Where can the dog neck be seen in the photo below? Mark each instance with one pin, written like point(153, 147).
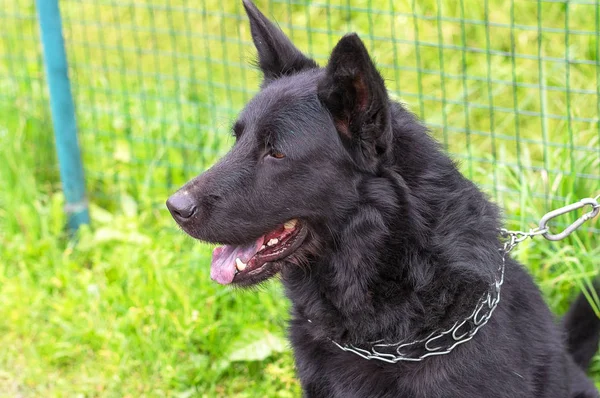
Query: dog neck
point(345, 291)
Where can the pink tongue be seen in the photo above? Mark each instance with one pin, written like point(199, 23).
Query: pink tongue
point(222, 268)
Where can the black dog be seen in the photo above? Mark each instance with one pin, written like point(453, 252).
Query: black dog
point(379, 240)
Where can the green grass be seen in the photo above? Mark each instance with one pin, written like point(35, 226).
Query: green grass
point(130, 310)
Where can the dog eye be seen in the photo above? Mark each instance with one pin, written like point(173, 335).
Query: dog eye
point(277, 155)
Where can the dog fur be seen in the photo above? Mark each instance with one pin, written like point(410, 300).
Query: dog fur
point(400, 244)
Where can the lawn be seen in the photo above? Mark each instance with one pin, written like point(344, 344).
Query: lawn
point(127, 308)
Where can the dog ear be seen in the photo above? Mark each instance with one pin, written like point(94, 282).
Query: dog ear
point(354, 93)
point(277, 56)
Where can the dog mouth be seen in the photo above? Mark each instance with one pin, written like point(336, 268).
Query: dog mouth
point(259, 260)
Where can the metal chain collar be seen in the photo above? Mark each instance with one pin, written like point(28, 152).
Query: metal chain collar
point(442, 342)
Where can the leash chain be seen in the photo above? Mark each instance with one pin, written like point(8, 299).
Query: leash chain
point(444, 341)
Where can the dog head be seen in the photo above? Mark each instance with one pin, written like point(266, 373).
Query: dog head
point(302, 144)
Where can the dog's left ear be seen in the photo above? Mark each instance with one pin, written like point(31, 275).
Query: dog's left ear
point(354, 93)
point(277, 56)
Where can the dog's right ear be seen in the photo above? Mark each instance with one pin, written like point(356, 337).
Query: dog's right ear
point(277, 56)
point(354, 93)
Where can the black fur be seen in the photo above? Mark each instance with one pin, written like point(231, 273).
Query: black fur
point(400, 243)
point(581, 325)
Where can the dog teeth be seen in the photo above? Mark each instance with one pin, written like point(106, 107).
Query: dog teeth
point(273, 242)
point(290, 224)
point(262, 247)
point(239, 264)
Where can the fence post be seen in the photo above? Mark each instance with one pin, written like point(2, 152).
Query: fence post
point(63, 113)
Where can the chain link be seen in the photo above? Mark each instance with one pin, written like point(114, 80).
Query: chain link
point(442, 342)
point(567, 209)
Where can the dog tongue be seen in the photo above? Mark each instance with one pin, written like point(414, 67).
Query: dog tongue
point(222, 268)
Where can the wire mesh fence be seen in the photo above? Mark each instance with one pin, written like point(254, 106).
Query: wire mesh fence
point(511, 89)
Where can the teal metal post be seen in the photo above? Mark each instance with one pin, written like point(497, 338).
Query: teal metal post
point(63, 113)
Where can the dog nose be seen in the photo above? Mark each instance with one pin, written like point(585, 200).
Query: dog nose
point(181, 206)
